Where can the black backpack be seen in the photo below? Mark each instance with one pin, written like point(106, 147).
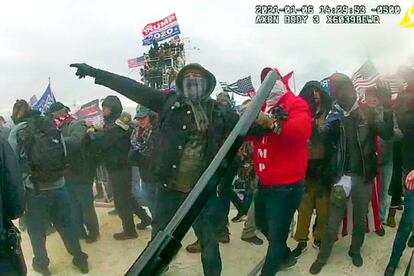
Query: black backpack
point(46, 150)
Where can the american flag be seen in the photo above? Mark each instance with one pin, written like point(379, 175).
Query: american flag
point(136, 62)
point(241, 87)
point(395, 83)
point(365, 77)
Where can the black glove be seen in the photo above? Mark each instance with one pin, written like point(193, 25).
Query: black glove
point(279, 114)
point(84, 70)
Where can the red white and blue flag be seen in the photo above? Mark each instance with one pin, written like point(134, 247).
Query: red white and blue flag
point(160, 30)
point(365, 77)
point(136, 62)
point(45, 101)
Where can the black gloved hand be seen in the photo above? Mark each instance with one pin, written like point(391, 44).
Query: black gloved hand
point(84, 70)
point(279, 114)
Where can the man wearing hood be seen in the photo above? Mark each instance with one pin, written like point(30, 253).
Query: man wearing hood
point(280, 156)
point(317, 183)
point(404, 111)
point(46, 194)
point(113, 143)
point(192, 127)
point(353, 130)
point(80, 173)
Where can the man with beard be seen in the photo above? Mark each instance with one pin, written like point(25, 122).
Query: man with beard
point(318, 182)
point(404, 111)
point(192, 127)
point(353, 130)
point(42, 164)
point(113, 143)
point(80, 173)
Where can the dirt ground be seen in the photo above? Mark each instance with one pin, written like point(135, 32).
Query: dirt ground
point(110, 257)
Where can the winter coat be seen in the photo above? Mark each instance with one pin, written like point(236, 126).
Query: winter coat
point(281, 159)
point(112, 142)
point(12, 200)
point(405, 117)
point(176, 119)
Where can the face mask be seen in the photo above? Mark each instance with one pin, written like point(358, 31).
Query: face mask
point(194, 86)
point(278, 90)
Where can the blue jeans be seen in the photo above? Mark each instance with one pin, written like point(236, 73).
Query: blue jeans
point(82, 209)
point(168, 203)
point(275, 207)
point(404, 230)
point(41, 207)
point(149, 195)
point(136, 184)
point(386, 176)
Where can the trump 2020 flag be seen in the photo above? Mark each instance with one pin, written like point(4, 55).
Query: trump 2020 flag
point(160, 30)
point(45, 101)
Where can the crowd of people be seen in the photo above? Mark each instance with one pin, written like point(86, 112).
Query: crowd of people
point(161, 60)
point(306, 152)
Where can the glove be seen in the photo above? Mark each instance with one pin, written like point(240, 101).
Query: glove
point(84, 70)
point(280, 114)
point(265, 120)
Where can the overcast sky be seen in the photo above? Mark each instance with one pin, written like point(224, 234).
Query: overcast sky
point(39, 39)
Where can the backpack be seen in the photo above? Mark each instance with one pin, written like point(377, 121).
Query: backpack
point(46, 151)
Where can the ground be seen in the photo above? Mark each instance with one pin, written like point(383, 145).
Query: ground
point(110, 257)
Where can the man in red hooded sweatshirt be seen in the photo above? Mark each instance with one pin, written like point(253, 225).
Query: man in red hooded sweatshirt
point(280, 159)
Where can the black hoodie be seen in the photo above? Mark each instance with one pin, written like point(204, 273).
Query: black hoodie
point(115, 105)
point(113, 142)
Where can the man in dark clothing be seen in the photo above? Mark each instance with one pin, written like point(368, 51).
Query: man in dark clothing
point(352, 129)
point(193, 127)
point(113, 142)
point(11, 207)
point(317, 184)
point(79, 176)
point(405, 117)
point(46, 194)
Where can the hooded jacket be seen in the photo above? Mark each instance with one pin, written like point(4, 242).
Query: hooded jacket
point(281, 159)
point(176, 119)
point(320, 148)
point(367, 124)
point(113, 141)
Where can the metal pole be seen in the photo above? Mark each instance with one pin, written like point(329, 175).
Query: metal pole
point(163, 248)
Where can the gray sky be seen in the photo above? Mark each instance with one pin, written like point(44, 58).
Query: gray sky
point(39, 39)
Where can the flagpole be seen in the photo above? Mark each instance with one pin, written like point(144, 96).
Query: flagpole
point(294, 81)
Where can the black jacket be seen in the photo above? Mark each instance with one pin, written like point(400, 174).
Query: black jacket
point(176, 120)
point(11, 187)
point(405, 117)
point(369, 125)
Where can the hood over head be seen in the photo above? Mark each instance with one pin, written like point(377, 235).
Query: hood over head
point(343, 91)
point(204, 89)
point(307, 93)
point(115, 105)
